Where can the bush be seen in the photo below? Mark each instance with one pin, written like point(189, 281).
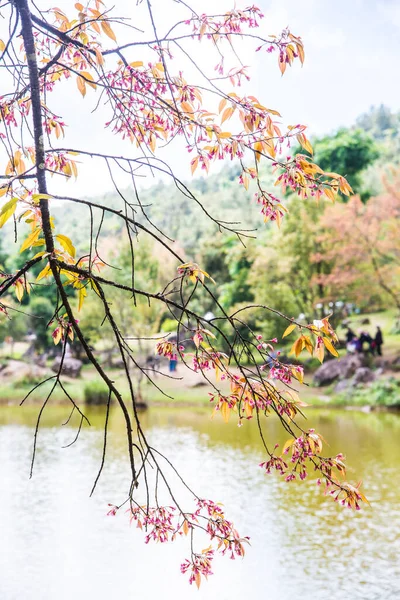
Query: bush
point(95, 393)
point(383, 392)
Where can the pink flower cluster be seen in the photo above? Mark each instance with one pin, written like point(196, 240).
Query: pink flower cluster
point(232, 22)
point(157, 522)
point(274, 463)
point(266, 345)
point(199, 565)
point(270, 206)
point(284, 373)
point(168, 349)
point(207, 361)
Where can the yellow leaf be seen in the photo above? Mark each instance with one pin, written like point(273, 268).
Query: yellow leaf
point(329, 193)
point(258, 148)
point(19, 290)
point(152, 142)
point(225, 411)
point(42, 253)
point(319, 353)
point(81, 296)
point(7, 211)
point(224, 134)
point(88, 79)
point(108, 31)
point(289, 330)
point(185, 527)
point(287, 444)
point(99, 56)
point(330, 347)
point(308, 344)
point(81, 85)
point(297, 346)
point(44, 272)
point(136, 64)
point(298, 374)
point(31, 239)
point(2, 46)
point(66, 244)
point(57, 336)
point(303, 141)
point(37, 197)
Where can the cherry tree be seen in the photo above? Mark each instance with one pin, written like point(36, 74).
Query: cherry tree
point(151, 103)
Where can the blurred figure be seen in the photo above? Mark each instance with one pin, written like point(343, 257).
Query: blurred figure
point(350, 340)
point(365, 337)
point(378, 340)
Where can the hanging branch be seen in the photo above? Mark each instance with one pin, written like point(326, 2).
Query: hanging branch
point(153, 105)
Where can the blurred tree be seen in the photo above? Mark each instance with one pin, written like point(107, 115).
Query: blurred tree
point(380, 122)
point(43, 311)
point(363, 244)
point(348, 151)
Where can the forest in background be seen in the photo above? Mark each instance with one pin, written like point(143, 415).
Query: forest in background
point(349, 251)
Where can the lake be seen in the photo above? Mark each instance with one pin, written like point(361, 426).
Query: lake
point(58, 544)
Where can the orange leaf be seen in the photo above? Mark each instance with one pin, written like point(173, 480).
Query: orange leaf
point(108, 31)
point(197, 579)
point(228, 112)
point(194, 164)
point(222, 105)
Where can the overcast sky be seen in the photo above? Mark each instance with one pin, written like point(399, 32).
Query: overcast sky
point(352, 62)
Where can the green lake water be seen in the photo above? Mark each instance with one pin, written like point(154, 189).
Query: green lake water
point(57, 543)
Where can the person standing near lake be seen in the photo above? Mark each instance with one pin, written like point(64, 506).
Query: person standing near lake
point(378, 340)
point(351, 339)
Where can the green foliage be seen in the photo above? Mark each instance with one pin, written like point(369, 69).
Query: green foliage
point(42, 310)
point(95, 393)
point(348, 152)
point(3, 256)
point(15, 326)
point(383, 392)
point(275, 270)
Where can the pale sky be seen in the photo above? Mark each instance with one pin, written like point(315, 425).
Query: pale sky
point(352, 56)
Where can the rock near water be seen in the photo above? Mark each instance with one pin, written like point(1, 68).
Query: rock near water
point(71, 366)
point(334, 370)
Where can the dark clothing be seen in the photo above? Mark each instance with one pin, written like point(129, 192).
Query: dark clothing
point(379, 342)
point(350, 335)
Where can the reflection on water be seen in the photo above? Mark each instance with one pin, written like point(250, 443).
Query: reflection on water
point(58, 544)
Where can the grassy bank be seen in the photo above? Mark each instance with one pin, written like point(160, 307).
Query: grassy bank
point(189, 389)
